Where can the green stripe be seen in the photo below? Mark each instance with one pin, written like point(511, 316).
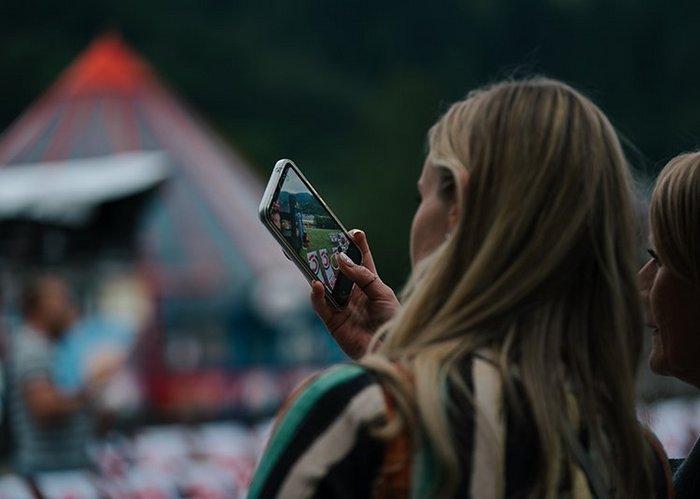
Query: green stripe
point(425, 473)
point(295, 415)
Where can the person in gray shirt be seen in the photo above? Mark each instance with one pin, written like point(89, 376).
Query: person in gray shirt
point(50, 427)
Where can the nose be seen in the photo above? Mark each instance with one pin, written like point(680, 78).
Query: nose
point(646, 279)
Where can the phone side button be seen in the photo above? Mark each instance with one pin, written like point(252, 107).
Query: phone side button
point(285, 254)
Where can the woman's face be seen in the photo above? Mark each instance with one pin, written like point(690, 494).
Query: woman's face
point(673, 312)
point(435, 217)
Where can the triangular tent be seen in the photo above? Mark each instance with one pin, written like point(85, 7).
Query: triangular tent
point(223, 288)
point(205, 232)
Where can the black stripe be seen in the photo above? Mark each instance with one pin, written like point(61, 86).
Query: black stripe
point(320, 416)
point(521, 444)
point(523, 453)
point(355, 474)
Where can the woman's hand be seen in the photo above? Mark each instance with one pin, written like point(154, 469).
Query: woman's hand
point(371, 303)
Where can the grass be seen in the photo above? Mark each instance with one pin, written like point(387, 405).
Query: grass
point(318, 238)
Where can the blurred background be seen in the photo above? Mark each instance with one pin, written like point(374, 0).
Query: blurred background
point(137, 137)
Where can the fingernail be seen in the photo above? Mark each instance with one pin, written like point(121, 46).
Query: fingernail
point(346, 260)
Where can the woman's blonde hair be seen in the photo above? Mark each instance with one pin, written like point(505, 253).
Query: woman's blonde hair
point(540, 269)
point(675, 216)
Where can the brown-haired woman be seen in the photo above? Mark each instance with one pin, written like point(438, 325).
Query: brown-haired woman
point(671, 288)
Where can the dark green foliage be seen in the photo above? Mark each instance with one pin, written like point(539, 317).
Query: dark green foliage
point(348, 89)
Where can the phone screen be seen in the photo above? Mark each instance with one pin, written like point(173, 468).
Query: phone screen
point(308, 227)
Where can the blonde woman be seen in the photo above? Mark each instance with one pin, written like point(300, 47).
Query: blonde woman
point(508, 369)
point(671, 288)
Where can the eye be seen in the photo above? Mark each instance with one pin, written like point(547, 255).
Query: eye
point(654, 256)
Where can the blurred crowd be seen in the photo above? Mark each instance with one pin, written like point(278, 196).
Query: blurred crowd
point(67, 381)
point(206, 461)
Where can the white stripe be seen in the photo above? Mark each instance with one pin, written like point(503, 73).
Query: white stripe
point(333, 444)
point(487, 468)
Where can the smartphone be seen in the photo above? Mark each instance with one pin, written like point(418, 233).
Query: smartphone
point(308, 231)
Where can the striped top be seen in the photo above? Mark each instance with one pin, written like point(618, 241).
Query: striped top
point(323, 447)
point(58, 446)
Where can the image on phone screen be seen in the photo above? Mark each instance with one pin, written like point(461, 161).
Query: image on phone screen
point(308, 228)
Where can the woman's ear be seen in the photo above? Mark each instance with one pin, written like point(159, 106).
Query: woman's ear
point(453, 215)
point(462, 191)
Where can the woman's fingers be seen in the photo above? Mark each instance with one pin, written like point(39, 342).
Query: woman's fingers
point(362, 276)
point(352, 341)
point(360, 239)
point(319, 303)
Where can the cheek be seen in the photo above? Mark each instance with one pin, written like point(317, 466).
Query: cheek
point(428, 230)
point(416, 234)
point(677, 316)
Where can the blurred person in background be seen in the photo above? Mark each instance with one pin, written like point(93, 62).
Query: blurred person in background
point(50, 428)
point(509, 368)
point(670, 283)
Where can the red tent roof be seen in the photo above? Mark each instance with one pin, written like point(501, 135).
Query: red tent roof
point(205, 226)
point(107, 66)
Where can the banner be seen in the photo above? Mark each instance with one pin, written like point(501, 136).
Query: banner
point(315, 265)
point(326, 266)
